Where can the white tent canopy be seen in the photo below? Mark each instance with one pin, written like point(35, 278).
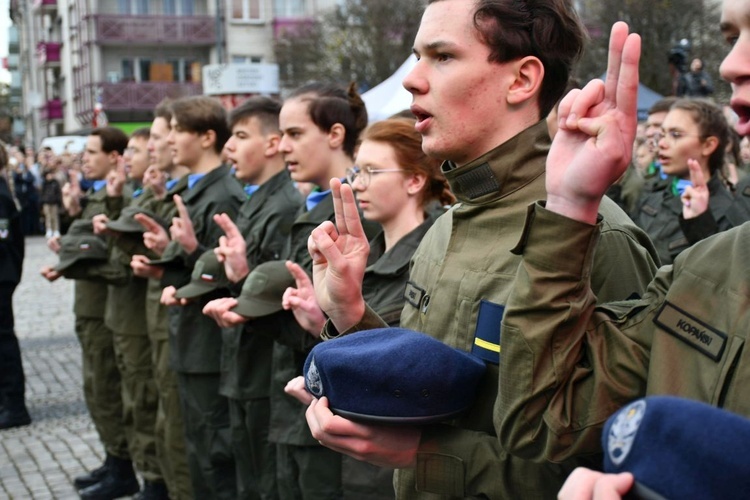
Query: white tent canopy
point(390, 96)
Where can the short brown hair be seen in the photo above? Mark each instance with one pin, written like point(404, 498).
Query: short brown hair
point(264, 109)
point(113, 139)
point(200, 114)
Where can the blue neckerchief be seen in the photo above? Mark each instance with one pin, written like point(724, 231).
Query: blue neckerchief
point(679, 186)
point(97, 185)
point(172, 183)
point(193, 178)
point(250, 189)
point(314, 198)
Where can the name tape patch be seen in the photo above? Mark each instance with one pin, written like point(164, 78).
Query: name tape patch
point(692, 331)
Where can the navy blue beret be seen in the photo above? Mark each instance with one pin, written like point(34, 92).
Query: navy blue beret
point(678, 448)
point(392, 375)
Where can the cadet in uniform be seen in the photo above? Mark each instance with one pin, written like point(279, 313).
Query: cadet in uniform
point(684, 337)
point(169, 431)
point(261, 231)
point(125, 315)
point(13, 411)
point(101, 376)
point(199, 132)
point(463, 271)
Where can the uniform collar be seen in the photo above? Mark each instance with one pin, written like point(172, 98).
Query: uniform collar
point(505, 169)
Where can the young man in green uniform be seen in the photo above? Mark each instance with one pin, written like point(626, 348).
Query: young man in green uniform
point(261, 231)
point(199, 132)
point(101, 375)
point(169, 431)
point(125, 315)
point(495, 142)
point(685, 336)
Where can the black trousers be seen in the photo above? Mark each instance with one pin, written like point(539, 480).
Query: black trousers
point(12, 381)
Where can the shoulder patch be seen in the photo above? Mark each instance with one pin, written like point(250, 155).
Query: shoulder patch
point(689, 329)
point(623, 430)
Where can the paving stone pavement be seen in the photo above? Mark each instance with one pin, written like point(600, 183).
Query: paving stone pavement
point(40, 461)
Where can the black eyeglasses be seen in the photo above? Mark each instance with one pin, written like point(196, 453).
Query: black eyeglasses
point(365, 174)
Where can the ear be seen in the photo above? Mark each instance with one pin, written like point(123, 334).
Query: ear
point(336, 136)
point(529, 74)
point(113, 157)
point(709, 146)
point(415, 183)
point(271, 145)
point(208, 139)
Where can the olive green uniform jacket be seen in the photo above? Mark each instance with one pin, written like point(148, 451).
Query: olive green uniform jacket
point(659, 215)
point(265, 220)
point(461, 277)
point(569, 364)
point(195, 342)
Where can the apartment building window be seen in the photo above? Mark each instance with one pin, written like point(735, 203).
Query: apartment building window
point(136, 7)
point(179, 7)
point(140, 69)
point(289, 8)
point(247, 11)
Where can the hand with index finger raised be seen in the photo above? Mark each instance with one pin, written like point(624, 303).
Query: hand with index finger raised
point(695, 198)
point(232, 250)
point(182, 227)
point(155, 238)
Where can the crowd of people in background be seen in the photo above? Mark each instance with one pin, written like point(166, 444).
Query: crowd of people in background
point(212, 251)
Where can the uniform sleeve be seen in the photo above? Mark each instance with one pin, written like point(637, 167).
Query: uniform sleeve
point(566, 365)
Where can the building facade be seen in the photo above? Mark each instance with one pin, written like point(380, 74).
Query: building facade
point(79, 58)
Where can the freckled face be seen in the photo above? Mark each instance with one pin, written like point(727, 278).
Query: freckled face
point(458, 95)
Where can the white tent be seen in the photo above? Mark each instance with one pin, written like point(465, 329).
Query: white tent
point(390, 96)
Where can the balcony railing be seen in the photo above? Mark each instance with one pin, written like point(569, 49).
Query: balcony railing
point(148, 30)
point(51, 110)
point(143, 96)
point(47, 5)
point(291, 26)
point(48, 53)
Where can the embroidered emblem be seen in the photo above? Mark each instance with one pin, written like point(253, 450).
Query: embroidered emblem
point(623, 431)
point(312, 378)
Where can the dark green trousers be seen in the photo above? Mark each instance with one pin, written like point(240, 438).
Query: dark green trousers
point(102, 385)
point(255, 457)
point(308, 472)
point(208, 437)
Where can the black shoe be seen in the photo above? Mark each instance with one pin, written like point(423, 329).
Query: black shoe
point(10, 419)
point(119, 481)
point(93, 477)
point(153, 490)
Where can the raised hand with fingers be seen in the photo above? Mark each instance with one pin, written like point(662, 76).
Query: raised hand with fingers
point(71, 195)
point(597, 126)
point(116, 178)
point(695, 198)
point(302, 301)
point(156, 180)
point(155, 238)
point(232, 249)
point(182, 227)
point(339, 253)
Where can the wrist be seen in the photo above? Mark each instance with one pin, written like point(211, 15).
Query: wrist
point(585, 211)
point(345, 319)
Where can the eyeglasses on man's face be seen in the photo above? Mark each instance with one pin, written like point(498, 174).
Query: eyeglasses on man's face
point(364, 174)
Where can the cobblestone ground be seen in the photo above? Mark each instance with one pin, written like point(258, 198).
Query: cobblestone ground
point(41, 460)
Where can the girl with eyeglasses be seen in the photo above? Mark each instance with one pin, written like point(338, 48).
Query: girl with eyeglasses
point(402, 189)
point(694, 137)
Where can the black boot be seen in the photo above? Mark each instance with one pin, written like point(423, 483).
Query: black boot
point(153, 490)
point(14, 417)
point(119, 481)
point(93, 477)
